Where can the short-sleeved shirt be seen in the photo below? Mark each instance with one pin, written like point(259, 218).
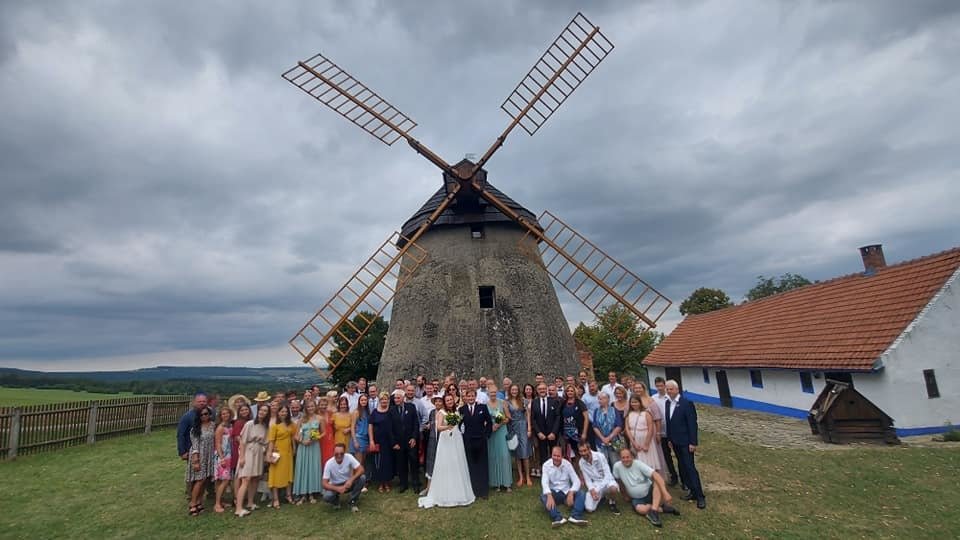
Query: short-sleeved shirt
point(637, 479)
point(339, 473)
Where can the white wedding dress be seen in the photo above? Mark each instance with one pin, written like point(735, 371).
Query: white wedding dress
point(450, 485)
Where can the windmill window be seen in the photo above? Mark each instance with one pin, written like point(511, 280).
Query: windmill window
point(706, 376)
point(930, 378)
point(756, 378)
point(488, 297)
point(806, 382)
point(476, 232)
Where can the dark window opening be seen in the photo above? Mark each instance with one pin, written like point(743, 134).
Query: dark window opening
point(756, 378)
point(476, 232)
point(488, 297)
point(840, 376)
point(930, 378)
point(706, 376)
point(806, 382)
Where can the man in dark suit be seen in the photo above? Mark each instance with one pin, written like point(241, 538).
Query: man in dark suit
point(545, 419)
point(476, 426)
point(405, 427)
point(682, 433)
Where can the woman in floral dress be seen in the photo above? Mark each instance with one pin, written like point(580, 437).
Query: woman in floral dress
point(200, 464)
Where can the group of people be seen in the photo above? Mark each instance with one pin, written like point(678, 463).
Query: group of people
point(587, 444)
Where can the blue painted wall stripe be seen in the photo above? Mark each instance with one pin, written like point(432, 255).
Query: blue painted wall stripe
point(752, 405)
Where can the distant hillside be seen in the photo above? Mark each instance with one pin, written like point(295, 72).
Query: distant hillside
point(167, 379)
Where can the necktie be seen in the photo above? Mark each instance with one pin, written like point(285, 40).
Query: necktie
point(471, 410)
point(543, 406)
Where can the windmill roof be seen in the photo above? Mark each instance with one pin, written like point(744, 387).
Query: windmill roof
point(844, 324)
point(484, 213)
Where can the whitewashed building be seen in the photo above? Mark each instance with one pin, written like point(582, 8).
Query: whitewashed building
point(891, 331)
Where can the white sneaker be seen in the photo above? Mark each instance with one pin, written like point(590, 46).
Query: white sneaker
point(576, 521)
point(353, 508)
point(556, 524)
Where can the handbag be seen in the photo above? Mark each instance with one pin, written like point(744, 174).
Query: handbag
point(512, 442)
point(273, 458)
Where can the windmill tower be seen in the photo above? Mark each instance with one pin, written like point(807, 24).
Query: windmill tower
point(469, 273)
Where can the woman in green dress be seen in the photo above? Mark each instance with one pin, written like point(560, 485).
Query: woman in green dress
point(306, 477)
point(498, 455)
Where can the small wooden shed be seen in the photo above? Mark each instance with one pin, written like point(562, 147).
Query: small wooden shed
point(842, 415)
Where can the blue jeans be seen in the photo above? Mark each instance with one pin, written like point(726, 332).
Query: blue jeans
point(559, 498)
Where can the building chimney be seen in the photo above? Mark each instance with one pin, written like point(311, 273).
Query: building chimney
point(873, 260)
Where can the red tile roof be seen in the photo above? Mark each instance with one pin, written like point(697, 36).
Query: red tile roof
point(844, 324)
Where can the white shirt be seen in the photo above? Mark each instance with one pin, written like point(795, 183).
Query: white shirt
point(372, 404)
point(352, 400)
point(563, 478)
point(662, 405)
point(339, 473)
point(637, 479)
point(482, 397)
point(610, 390)
point(424, 408)
point(596, 473)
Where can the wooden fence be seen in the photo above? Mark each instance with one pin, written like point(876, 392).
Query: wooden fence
point(39, 428)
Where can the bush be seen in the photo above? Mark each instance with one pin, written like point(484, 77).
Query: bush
point(952, 435)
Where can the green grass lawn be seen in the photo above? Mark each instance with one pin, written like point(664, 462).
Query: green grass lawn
point(35, 396)
point(133, 487)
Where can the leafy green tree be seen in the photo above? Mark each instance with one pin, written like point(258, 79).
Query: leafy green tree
point(364, 359)
point(704, 300)
point(767, 286)
point(617, 341)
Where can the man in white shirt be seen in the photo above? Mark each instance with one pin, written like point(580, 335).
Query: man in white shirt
point(591, 397)
point(353, 397)
point(661, 398)
point(373, 398)
point(597, 478)
point(644, 486)
point(611, 386)
point(342, 475)
point(561, 485)
point(481, 390)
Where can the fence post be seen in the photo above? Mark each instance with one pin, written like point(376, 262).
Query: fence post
point(92, 424)
point(14, 438)
point(149, 421)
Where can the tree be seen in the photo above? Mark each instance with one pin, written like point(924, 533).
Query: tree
point(617, 341)
point(704, 300)
point(364, 359)
point(767, 286)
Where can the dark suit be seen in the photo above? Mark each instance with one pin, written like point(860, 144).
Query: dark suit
point(545, 423)
point(405, 425)
point(682, 432)
point(476, 430)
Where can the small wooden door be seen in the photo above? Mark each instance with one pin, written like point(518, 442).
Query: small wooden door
point(723, 389)
point(673, 373)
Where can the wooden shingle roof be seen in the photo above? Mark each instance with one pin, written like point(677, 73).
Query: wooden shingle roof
point(844, 324)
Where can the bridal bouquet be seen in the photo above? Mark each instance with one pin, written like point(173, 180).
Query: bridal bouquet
point(499, 417)
point(453, 418)
point(314, 434)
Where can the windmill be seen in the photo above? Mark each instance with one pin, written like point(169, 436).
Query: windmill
point(469, 274)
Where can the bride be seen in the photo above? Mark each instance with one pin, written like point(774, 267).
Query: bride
point(449, 484)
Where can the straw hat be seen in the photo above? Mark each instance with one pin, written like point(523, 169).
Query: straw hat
point(262, 396)
point(235, 401)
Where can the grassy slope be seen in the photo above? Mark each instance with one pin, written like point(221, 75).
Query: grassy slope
point(132, 487)
point(34, 396)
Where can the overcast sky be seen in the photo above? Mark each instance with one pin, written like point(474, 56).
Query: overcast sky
point(166, 197)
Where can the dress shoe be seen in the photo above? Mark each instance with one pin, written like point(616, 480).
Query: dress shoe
point(667, 509)
point(688, 497)
point(701, 503)
point(673, 482)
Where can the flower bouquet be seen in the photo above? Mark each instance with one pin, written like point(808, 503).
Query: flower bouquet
point(499, 417)
point(314, 435)
point(453, 418)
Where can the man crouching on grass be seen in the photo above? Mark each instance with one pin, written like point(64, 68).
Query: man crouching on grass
point(644, 487)
point(342, 475)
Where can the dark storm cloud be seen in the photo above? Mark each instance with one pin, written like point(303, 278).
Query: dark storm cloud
point(164, 189)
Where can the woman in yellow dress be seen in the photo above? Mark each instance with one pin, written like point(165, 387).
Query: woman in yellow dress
point(343, 423)
point(280, 438)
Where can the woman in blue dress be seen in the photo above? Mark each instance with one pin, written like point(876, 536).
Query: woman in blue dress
point(306, 476)
point(361, 432)
point(519, 426)
point(499, 472)
point(382, 443)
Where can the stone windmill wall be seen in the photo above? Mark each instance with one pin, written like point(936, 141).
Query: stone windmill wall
point(438, 326)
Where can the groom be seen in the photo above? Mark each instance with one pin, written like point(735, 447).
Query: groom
point(477, 426)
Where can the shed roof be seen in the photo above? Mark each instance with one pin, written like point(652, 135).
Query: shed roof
point(844, 324)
